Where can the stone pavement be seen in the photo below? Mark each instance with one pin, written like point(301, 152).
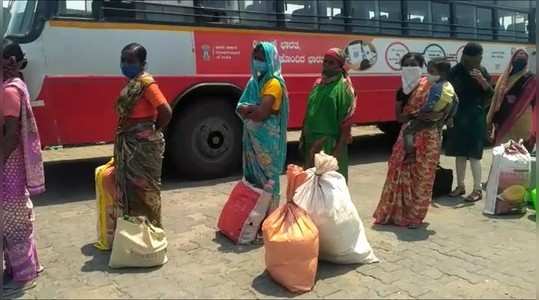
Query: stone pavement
point(459, 253)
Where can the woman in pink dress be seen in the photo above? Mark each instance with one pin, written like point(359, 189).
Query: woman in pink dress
point(22, 174)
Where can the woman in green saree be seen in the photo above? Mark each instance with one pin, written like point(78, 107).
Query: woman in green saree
point(331, 105)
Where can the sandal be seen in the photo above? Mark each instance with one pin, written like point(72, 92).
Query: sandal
point(474, 196)
point(458, 191)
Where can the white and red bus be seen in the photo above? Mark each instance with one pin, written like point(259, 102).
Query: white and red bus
point(199, 52)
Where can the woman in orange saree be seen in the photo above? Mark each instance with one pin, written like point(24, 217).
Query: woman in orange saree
point(407, 191)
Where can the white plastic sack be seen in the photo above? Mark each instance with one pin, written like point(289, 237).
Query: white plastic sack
point(510, 167)
point(326, 198)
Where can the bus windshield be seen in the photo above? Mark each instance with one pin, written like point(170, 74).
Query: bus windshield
point(20, 14)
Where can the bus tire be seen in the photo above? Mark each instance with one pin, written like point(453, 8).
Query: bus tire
point(205, 140)
point(391, 129)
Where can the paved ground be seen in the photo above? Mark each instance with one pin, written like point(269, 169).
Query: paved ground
point(460, 253)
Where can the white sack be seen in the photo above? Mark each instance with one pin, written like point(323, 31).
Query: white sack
point(326, 198)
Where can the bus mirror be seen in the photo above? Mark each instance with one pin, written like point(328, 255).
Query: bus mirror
point(360, 55)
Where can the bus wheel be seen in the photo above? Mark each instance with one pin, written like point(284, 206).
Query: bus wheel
point(392, 129)
point(205, 140)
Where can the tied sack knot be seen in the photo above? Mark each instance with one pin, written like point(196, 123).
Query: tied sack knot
point(324, 163)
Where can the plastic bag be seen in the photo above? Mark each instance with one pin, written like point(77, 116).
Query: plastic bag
point(137, 243)
point(107, 206)
point(326, 198)
point(244, 212)
point(291, 248)
point(509, 172)
point(291, 242)
point(295, 176)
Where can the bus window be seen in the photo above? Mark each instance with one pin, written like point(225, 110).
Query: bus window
point(532, 25)
point(465, 21)
point(440, 19)
point(365, 16)
point(521, 27)
point(75, 8)
point(391, 17)
point(22, 16)
point(6, 16)
point(122, 10)
point(258, 13)
point(513, 26)
point(219, 11)
point(506, 25)
point(177, 11)
point(330, 15)
point(300, 14)
point(484, 23)
point(418, 14)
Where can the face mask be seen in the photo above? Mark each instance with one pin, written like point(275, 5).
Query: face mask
point(433, 78)
point(131, 71)
point(518, 65)
point(260, 67)
point(410, 77)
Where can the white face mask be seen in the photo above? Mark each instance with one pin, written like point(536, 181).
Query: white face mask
point(433, 78)
point(410, 77)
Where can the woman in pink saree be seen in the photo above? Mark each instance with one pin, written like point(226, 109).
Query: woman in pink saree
point(512, 115)
point(22, 174)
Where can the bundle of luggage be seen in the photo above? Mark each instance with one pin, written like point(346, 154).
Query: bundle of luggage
point(318, 221)
point(510, 184)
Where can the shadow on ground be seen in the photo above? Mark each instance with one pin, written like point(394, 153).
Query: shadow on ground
point(227, 246)
point(266, 286)
point(408, 235)
point(514, 216)
point(72, 181)
point(100, 262)
point(454, 202)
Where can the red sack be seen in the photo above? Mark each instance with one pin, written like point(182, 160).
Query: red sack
point(244, 212)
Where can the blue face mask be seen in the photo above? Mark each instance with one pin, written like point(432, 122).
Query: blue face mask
point(260, 67)
point(130, 70)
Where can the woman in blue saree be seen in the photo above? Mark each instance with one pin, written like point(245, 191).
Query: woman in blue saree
point(263, 108)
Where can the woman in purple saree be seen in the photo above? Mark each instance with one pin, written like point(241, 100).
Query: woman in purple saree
point(22, 174)
point(512, 115)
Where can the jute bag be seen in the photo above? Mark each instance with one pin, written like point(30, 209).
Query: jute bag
point(137, 243)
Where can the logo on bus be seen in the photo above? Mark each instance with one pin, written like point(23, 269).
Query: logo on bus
point(206, 52)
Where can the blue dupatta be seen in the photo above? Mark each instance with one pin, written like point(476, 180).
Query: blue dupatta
point(264, 143)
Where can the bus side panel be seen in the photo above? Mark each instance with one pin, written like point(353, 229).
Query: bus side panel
point(84, 107)
point(46, 117)
point(376, 98)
